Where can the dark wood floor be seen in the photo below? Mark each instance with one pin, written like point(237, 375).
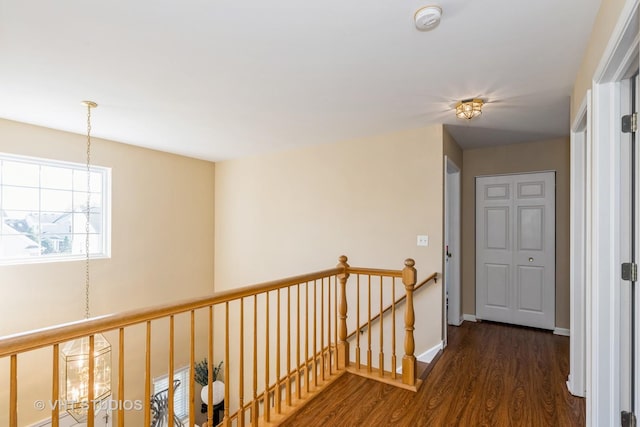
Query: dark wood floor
point(489, 375)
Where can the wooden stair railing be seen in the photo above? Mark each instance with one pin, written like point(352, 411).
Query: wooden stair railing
point(291, 342)
point(374, 317)
point(392, 306)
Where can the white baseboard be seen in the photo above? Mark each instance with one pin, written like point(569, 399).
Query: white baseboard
point(458, 323)
point(428, 355)
point(572, 389)
point(562, 331)
point(469, 317)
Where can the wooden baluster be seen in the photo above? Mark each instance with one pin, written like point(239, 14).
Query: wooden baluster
point(322, 348)
point(147, 378)
point(315, 334)
point(120, 378)
point(55, 389)
point(91, 395)
point(241, 367)
point(226, 422)
point(298, 377)
point(369, 359)
point(288, 385)
point(393, 328)
point(409, 360)
point(13, 392)
point(335, 323)
point(210, 368)
point(266, 405)
point(358, 322)
point(192, 365)
point(254, 404)
point(170, 392)
point(306, 337)
point(343, 344)
point(381, 354)
point(277, 394)
point(329, 319)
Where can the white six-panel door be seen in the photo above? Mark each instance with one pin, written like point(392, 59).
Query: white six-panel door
point(515, 249)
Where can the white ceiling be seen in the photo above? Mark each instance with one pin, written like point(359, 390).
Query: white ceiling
point(220, 79)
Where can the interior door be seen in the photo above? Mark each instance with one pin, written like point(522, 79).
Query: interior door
point(515, 249)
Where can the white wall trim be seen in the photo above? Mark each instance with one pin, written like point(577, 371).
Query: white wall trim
point(603, 385)
point(612, 60)
point(469, 318)
point(603, 297)
point(452, 228)
point(570, 385)
point(428, 355)
point(579, 238)
point(562, 331)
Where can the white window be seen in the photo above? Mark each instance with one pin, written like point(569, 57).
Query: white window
point(43, 210)
point(180, 392)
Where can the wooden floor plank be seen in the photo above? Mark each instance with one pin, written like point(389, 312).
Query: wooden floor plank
point(489, 375)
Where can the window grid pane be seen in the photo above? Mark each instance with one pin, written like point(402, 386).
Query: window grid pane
point(43, 209)
point(181, 393)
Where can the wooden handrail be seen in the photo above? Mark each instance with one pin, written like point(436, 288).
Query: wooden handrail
point(374, 271)
point(433, 277)
point(13, 344)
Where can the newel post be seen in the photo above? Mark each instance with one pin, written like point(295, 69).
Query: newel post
point(343, 345)
point(409, 360)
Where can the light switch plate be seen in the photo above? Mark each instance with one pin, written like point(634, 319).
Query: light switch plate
point(423, 240)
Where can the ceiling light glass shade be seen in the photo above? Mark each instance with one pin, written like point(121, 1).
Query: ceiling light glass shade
point(74, 375)
point(469, 108)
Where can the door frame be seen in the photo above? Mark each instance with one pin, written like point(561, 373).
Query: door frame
point(603, 379)
point(452, 238)
point(580, 238)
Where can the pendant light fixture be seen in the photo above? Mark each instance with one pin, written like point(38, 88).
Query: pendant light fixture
point(88, 356)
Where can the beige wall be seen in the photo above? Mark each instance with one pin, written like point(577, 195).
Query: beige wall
point(162, 247)
point(603, 27)
point(295, 212)
point(529, 157)
point(452, 149)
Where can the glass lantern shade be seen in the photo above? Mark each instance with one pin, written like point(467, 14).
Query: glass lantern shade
point(74, 375)
point(469, 108)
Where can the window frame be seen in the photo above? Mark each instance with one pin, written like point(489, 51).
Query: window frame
point(182, 374)
point(106, 202)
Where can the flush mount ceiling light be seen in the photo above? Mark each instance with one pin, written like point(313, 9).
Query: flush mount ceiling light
point(469, 108)
point(428, 17)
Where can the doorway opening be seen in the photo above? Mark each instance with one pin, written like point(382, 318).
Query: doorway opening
point(452, 249)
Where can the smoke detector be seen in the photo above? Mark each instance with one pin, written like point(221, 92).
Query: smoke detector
point(428, 17)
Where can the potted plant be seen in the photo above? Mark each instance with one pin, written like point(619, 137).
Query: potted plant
point(201, 376)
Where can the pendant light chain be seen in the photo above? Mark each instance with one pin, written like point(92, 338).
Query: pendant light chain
point(87, 229)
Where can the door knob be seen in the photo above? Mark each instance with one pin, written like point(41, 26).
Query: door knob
point(530, 259)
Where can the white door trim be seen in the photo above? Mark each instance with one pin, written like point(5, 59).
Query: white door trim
point(602, 319)
point(579, 238)
point(453, 312)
